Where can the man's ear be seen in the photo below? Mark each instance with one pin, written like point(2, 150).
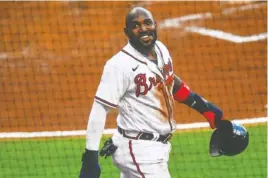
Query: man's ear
point(155, 24)
point(126, 32)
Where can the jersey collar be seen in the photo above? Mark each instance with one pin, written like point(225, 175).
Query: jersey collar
point(141, 58)
point(132, 51)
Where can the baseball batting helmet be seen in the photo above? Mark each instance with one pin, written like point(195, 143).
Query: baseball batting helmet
point(229, 144)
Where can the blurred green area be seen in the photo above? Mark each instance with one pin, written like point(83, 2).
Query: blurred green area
point(60, 157)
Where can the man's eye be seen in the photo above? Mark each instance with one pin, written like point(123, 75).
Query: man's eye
point(135, 26)
point(148, 23)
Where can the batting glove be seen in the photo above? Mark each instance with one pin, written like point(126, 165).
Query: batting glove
point(90, 166)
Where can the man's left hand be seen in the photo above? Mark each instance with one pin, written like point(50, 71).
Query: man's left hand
point(90, 166)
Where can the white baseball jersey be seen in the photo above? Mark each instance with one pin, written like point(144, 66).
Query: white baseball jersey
point(140, 90)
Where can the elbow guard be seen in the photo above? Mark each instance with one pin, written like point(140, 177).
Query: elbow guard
point(210, 111)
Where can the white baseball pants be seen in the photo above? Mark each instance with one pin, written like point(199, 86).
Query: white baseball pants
point(141, 158)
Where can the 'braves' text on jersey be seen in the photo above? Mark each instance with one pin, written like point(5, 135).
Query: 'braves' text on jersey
point(140, 90)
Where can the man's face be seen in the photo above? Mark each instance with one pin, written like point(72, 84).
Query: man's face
point(141, 30)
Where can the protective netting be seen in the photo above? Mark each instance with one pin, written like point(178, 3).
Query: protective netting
point(52, 56)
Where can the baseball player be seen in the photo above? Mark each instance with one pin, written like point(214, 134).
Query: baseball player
point(140, 83)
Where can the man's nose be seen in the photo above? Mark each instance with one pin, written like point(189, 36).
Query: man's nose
point(143, 28)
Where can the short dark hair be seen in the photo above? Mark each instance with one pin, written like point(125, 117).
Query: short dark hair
point(135, 8)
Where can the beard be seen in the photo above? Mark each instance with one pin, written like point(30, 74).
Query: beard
point(137, 43)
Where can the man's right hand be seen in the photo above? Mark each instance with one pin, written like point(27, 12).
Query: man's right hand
point(90, 166)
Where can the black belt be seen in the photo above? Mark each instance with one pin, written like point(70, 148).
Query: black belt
point(146, 136)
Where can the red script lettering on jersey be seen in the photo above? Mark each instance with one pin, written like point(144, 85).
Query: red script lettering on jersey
point(167, 68)
point(141, 81)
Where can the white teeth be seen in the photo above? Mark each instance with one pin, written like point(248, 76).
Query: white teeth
point(145, 36)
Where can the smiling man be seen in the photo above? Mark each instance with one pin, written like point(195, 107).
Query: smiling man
point(140, 83)
point(141, 30)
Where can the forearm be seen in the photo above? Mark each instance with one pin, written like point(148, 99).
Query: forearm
point(183, 94)
point(96, 125)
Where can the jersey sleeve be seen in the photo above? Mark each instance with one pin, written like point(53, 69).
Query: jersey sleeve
point(112, 86)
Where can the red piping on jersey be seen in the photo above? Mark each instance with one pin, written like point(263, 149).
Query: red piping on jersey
point(169, 107)
point(106, 102)
point(168, 81)
point(132, 56)
point(133, 159)
point(159, 50)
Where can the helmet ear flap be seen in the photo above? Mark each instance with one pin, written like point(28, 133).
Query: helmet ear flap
point(214, 145)
point(224, 143)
